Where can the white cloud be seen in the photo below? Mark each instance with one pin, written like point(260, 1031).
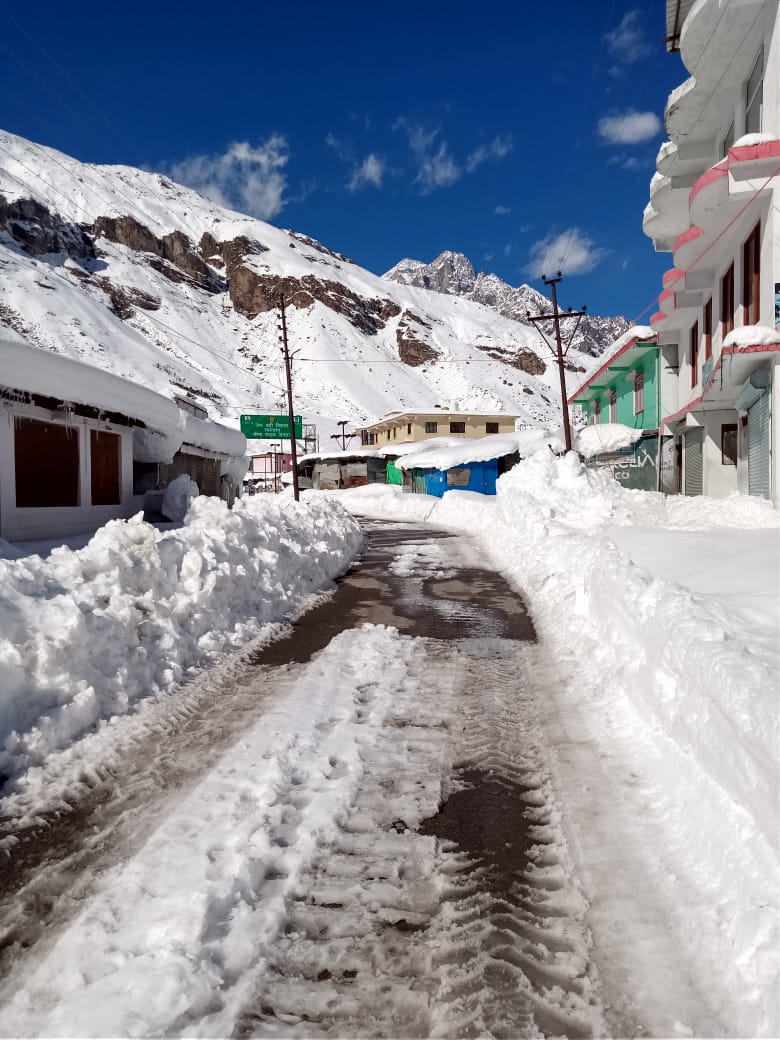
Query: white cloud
point(248, 178)
point(370, 171)
point(626, 41)
point(498, 148)
point(436, 167)
point(502, 211)
point(629, 127)
point(571, 252)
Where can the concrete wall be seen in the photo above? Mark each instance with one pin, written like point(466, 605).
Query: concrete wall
point(398, 430)
point(719, 480)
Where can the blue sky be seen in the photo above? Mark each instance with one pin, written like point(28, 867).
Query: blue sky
point(522, 135)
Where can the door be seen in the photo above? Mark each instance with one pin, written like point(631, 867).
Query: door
point(693, 452)
point(759, 447)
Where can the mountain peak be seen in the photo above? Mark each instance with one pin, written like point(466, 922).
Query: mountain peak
point(454, 274)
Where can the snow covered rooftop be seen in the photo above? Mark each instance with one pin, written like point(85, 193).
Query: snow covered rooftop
point(480, 449)
point(26, 368)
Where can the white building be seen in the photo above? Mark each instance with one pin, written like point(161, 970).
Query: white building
point(714, 207)
point(80, 446)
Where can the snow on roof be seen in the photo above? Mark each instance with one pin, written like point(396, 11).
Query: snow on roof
point(480, 449)
point(603, 437)
point(27, 368)
point(322, 456)
point(204, 433)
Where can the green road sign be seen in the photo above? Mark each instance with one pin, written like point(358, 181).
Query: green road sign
point(270, 427)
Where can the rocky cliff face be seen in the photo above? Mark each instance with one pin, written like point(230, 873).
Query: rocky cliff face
point(454, 274)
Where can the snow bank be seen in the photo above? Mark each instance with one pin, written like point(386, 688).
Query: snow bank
point(85, 634)
point(430, 455)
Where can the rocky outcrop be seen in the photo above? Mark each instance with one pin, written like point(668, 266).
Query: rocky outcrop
point(176, 257)
point(412, 349)
point(253, 293)
point(124, 298)
point(314, 244)
point(39, 231)
point(522, 360)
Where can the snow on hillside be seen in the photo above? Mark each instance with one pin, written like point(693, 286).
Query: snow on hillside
point(149, 280)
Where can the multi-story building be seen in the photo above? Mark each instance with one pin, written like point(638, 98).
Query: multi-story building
point(714, 206)
point(399, 427)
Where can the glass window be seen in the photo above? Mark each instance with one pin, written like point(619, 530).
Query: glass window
point(431, 427)
point(707, 329)
point(613, 406)
point(751, 275)
point(46, 464)
point(491, 427)
point(728, 140)
point(639, 393)
point(458, 477)
point(457, 427)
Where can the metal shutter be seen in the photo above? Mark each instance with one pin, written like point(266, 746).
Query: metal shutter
point(758, 447)
point(694, 457)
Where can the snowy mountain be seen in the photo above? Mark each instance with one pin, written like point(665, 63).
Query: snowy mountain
point(147, 279)
point(454, 274)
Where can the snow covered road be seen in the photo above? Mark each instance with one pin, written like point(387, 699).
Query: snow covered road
point(353, 831)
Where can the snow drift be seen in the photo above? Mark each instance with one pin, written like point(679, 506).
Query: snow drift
point(87, 633)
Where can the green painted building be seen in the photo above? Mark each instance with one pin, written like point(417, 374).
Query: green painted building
point(626, 388)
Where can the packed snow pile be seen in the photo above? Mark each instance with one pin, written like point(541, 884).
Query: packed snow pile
point(85, 634)
point(669, 669)
point(603, 437)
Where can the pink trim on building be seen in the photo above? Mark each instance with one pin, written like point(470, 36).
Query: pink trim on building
point(755, 348)
point(711, 176)
point(671, 276)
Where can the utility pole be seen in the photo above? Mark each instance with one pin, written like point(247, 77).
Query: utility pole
point(343, 436)
point(290, 412)
point(559, 351)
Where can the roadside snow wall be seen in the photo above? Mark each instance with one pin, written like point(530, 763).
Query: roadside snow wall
point(656, 671)
point(84, 634)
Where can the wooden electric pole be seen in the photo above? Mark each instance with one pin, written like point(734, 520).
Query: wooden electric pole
point(558, 350)
point(290, 412)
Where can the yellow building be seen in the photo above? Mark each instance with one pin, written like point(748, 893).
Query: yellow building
point(397, 427)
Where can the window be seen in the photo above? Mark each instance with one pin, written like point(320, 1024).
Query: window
point(491, 427)
point(707, 329)
point(728, 444)
point(364, 437)
point(597, 411)
point(751, 273)
point(105, 464)
point(612, 394)
point(408, 429)
point(727, 302)
point(694, 354)
point(639, 393)
point(457, 427)
point(458, 477)
point(754, 96)
point(431, 427)
point(46, 464)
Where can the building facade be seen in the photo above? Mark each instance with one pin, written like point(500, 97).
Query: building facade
point(400, 427)
point(714, 207)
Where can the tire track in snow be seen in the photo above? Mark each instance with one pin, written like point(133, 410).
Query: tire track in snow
point(391, 933)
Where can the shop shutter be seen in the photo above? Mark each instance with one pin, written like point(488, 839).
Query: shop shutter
point(694, 461)
point(758, 447)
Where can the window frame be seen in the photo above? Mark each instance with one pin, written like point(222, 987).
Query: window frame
point(756, 96)
point(751, 277)
point(431, 427)
point(491, 427)
point(639, 392)
point(693, 354)
point(727, 301)
point(725, 430)
point(612, 396)
point(31, 489)
point(458, 426)
point(706, 321)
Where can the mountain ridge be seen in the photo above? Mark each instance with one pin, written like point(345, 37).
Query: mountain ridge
point(144, 277)
point(452, 273)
